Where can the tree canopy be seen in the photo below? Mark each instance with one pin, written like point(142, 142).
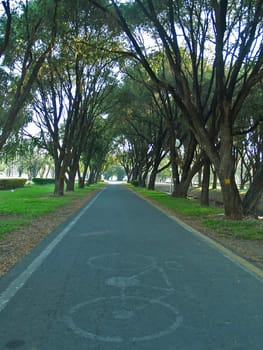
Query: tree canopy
point(174, 80)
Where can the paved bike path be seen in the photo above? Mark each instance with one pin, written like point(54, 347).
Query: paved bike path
point(123, 275)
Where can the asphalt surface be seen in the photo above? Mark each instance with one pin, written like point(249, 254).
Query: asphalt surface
point(123, 275)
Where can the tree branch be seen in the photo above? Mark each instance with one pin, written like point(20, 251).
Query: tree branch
point(4, 44)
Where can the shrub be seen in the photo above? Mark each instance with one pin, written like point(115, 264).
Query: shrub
point(135, 183)
point(42, 181)
point(8, 184)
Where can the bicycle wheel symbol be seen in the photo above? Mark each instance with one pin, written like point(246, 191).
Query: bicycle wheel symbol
point(127, 317)
point(108, 316)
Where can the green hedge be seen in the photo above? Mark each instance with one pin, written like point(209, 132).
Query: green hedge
point(43, 181)
point(8, 184)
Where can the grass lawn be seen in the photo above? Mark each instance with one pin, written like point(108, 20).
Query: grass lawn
point(210, 217)
point(20, 206)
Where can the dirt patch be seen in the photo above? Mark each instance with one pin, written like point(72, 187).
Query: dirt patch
point(8, 216)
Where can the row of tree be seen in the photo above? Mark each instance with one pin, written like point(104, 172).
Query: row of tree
point(54, 75)
point(211, 65)
point(151, 79)
point(145, 147)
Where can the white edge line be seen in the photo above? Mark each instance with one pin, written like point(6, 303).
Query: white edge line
point(20, 281)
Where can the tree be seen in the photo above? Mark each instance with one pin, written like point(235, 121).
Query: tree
point(223, 34)
point(25, 157)
point(141, 124)
point(25, 48)
point(95, 152)
point(70, 96)
point(7, 30)
point(248, 141)
point(171, 133)
point(123, 153)
point(114, 170)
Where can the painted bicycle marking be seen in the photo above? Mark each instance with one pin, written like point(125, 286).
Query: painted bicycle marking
point(140, 318)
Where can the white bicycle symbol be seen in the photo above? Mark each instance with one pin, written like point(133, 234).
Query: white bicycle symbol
point(139, 318)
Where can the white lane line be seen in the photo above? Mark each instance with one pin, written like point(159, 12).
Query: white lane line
point(20, 281)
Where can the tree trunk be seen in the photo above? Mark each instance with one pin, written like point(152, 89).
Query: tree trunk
point(173, 159)
point(142, 180)
point(242, 179)
point(181, 189)
point(200, 178)
point(59, 185)
point(70, 184)
point(92, 176)
point(72, 176)
point(188, 169)
point(135, 173)
point(151, 184)
point(254, 194)
point(226, 170)
point(204, 199)
point(159, 157)
point(214, 184)
point(24, 86)
point(182, 186)
point(224, 164)
point(60, 170)
point(188, 172)
point(81, 182)
point(231, 197)
point(82, 177)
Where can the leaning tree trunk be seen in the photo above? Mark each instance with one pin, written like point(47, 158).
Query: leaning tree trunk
point(188, 169)
point(254, 194)
point(142, 180)
point(70, 185)
point(152, 179)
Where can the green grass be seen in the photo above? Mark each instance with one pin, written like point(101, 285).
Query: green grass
point(20, 206)
point(207, 216)
point(183, 206)
point(8, 225)
point(246, 229)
